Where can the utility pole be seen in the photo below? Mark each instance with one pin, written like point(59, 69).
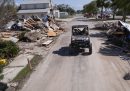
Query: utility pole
point(51, 9)
point(51, 3)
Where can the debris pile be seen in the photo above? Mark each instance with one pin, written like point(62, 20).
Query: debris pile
point(33, 36)
point(34, 29)
point(120, 34)
point(120, 30)
point(103, 25)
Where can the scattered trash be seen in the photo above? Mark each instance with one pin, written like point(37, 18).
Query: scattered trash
point(14, 84)
point(127, 76)
point(125, 58)
point(13, 39)
point(3, 61)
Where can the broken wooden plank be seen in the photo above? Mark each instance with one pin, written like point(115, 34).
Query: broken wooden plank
point(46, 43)
point(51, 33)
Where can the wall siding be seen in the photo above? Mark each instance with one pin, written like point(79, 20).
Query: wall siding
point(34, 6)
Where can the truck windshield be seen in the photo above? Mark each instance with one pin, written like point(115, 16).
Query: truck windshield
point(79, 31)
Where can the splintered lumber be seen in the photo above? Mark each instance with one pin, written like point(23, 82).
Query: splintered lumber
point(58, 32)
point(51, 34)
point(28, 25)
point(6, 34)
point(48, 42)
point(30, 20)
point(27, 28)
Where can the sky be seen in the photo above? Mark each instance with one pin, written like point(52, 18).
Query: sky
point(76, 4)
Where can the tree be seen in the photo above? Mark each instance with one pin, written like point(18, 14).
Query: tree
point(7, 11)
point(8, 49)
point(123, 6)
point(66, 8)
point(102, 4)
point(79, 11)
point(114, 7)
point(90, 8)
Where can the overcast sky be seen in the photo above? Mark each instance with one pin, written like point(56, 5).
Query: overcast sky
point(76, 4)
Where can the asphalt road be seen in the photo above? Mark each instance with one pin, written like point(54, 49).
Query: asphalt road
point(101, 71)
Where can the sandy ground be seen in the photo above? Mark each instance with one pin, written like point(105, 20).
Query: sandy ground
point(101, 71)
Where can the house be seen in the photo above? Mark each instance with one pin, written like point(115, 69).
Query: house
point(34, 7)
point(64, 14)
point(56, 13)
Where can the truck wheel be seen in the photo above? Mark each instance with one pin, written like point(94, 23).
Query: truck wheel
point(90, 49)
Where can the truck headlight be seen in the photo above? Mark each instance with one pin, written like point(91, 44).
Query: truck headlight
point(73, 39)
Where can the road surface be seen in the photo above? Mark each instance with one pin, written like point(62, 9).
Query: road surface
point(101, 71)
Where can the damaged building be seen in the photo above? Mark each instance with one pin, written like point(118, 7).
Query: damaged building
point(36, 8)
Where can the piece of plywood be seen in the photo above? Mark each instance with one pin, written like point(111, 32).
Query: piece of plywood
point(51, 34)
point(48, 42)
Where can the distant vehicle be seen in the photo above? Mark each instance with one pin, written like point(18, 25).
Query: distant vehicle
point(104, 16)
point(87, 15)
point(80, 38)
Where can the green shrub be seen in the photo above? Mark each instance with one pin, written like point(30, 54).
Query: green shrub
point(8, 49)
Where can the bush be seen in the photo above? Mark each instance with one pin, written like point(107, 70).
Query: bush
point(8, 49)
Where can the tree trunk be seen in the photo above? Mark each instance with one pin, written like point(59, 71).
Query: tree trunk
point(114, 12)
point(102, 12)
point(124, 16)
point(113, 16)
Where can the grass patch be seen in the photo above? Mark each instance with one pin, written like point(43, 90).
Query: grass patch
point(27, 71)
point(22, 74)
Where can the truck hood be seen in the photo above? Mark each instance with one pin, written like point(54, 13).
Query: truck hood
point(80, 37)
